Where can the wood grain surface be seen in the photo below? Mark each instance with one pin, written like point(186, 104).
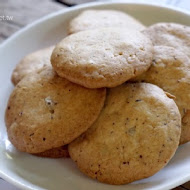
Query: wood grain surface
point(20, 13)
point(23, 13)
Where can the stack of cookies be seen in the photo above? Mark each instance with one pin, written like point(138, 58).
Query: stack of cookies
point(113, 95)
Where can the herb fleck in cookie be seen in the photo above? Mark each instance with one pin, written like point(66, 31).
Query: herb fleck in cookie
point(170, 70)
point(30, 63)
point(93, 19)
point(170, 34)
point(135, 136)
point(46, 111)
point(103, 57)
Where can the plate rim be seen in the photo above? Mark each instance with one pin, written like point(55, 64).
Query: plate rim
point(85, 5)
point(19, 184)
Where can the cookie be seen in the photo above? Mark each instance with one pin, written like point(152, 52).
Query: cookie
point(46, 111)
point(170, 34)
point(93, 19)
point(30, 63)
point(60, 152)
point(170, 70)
point(135, 136)
point(103, 57)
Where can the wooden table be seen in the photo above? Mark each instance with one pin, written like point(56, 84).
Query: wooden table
point(15, 14)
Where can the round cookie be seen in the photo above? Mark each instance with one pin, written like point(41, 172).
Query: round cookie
point(31, 62)
point(60, 152)
point(93, 19)
point(103, 57)
point(170, 70)
point(170, 34)
point(46, 111)
point(135, 136)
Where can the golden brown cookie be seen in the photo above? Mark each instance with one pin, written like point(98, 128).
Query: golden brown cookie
point(170, 34)
point(170, 70)
point(46, 111)
point(103, 57)
point(135, 136)
point(60, 152)
point(31, 63)
point(93, 19)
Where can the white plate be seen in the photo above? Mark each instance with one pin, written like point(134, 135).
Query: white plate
point(29, 172)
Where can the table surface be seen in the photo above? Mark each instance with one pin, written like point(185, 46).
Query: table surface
point(15, 14)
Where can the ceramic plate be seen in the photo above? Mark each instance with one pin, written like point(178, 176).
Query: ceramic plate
point(30, 172)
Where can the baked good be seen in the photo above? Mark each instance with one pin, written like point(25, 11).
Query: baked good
point(170, 70)
point(135, 136)
point(170, 34)
point(59, 152)
point(30, 63)
point(93, 19)
point(103, 57)
point(46, 111)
